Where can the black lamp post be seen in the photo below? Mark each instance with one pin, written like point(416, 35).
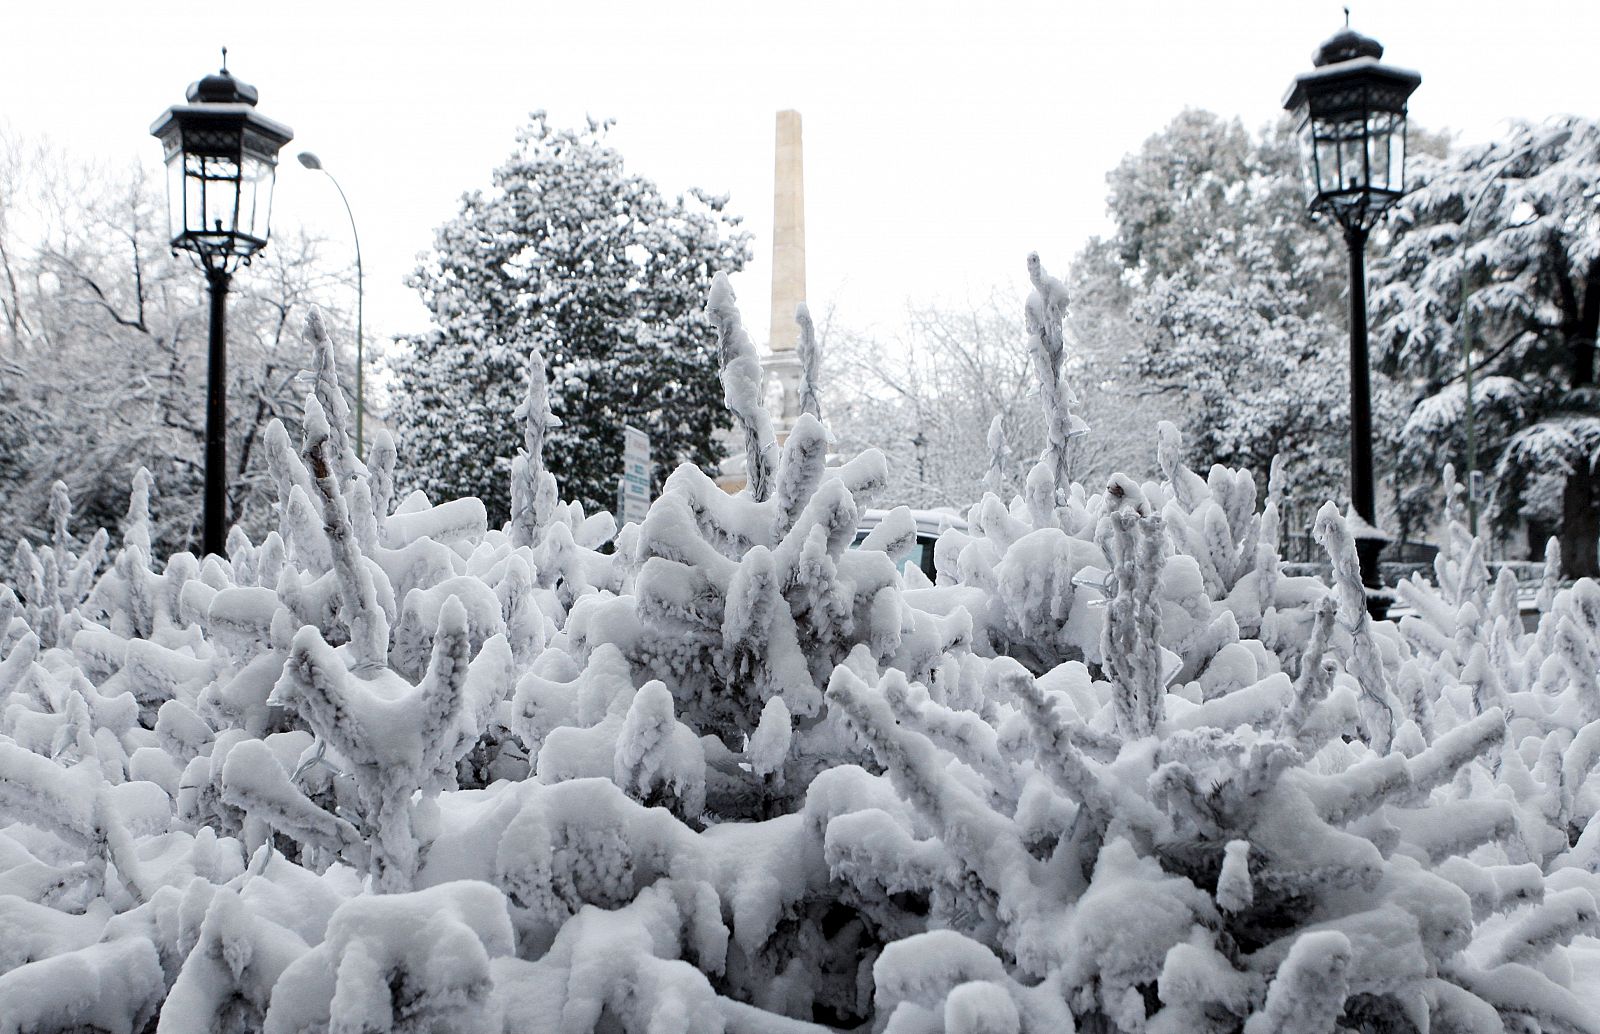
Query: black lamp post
point(221, 160)
point(1351, 112)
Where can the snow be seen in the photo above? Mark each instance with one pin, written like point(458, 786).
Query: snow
point(113, 987)
point(1309, 991)
point(434, 945)
point(458, 519)
point(769, 745)
point(1234, 890)
point(404, 771)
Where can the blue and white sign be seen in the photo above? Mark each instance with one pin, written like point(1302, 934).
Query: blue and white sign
point(634, 488)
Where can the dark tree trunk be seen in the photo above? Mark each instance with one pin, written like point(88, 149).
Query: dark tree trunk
point(1538, 536)
point(1580, 502)
point(1580, 525)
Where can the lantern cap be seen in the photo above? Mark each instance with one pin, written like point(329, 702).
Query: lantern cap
point(1348, 58)
point(220, 96)
point(1346, 45)
point(222, 88)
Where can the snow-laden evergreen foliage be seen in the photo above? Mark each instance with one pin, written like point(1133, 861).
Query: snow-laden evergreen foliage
point(607, 277)
point(1502, 242)
point(391, 769)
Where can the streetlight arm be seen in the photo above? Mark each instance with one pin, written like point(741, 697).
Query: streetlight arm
point(361, 394)
point(356, 236)
point(1493, 173)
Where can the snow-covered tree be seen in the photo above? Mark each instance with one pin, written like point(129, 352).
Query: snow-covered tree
point(928, 397)
point(1231, 300)
point(104, 339)
point(590, 264)
point(1505, 235)
point(1171, 197)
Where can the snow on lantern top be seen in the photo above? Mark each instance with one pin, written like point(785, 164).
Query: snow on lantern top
point(222, 157)
point(1351, 112)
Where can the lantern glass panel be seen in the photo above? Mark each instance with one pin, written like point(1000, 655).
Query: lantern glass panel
point(1377, 156)
point(1353, 173)
point(1308, 157)
point(1386, 150)
point(175, 195)
point(1327, 164)
point(213, 196)
point(1397, 154)
point(255, 196)
point(1341, 155)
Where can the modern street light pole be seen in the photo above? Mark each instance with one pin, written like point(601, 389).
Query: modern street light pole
point(1470, 412)
point(1351, 112)
point(1470, 417)
point(221, 157)
point(311, 161)
point(1556, 139)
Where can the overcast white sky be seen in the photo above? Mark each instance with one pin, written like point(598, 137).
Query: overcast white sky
point(943, 140)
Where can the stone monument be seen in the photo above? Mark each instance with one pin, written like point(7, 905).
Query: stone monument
point(781, 365)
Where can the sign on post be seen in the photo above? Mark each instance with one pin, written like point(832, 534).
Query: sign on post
point(634, 488)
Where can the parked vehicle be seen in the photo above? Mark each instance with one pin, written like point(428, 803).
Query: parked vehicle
point(930, 524)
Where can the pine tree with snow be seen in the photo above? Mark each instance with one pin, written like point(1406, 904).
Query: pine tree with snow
point(1504, 236)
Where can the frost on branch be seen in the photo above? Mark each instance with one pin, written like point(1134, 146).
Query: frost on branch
point(1043, 315)
point(1380, 715)
point(397, 739)
point(741, 387)
point(533, 488)
point(404, 962)
point(341, 455)
point(1308, 995)
point(1132, 648)
point(368, 625)
point(810, 363)
point(994, 479)
point(56, 579)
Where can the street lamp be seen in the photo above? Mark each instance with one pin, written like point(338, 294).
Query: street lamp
point(311, 161)
point(1351, 114)
point(221, 158)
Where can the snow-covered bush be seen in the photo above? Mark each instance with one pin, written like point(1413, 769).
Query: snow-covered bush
point(391, 769)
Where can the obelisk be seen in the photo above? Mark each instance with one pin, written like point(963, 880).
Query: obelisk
point(782, 365)
point(788, 233)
